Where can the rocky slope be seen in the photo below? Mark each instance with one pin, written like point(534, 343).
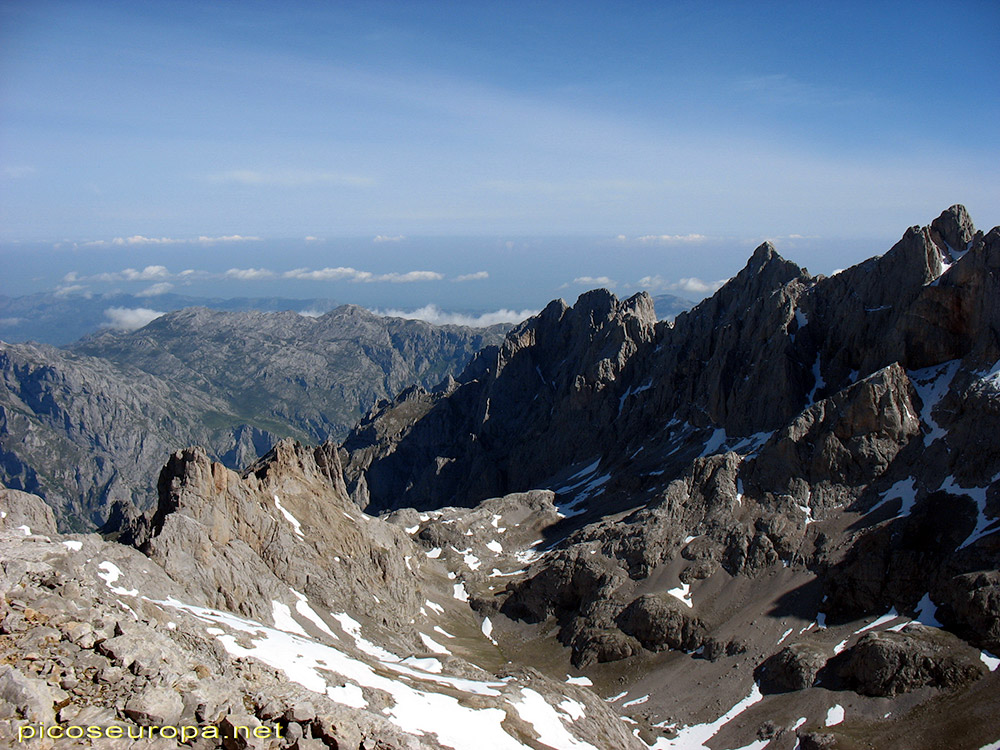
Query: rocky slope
point(255, 605)
point(752, 494)
point(90, 426)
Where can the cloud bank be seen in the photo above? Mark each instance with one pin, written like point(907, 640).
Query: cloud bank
point(129, 318)
point(433, 314)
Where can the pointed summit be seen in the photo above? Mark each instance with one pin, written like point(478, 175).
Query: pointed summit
point(954, 227)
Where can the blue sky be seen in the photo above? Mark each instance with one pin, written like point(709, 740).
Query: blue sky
point(827, 126)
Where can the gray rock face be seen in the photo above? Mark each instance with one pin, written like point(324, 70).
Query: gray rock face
point(241, 542)
point(795, 667)
point(887, 664)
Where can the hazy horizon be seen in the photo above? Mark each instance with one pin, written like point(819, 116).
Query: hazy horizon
point(476, 155)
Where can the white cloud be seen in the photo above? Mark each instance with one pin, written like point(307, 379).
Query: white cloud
point(433, 314)
point(129, 319)
point(346, 273)
point(689, 285)
point(595, 281)
point(149, 273)
point(310, 238)
point(668, 239)
point(138, 239)
point(312, 313)
point(156, 289)
point(410, 276)
point(478, 275)
point(68, 289)
point(228, 238)
point(327, 274)
point(4, 322)
point(249, 274)
point(385, 238)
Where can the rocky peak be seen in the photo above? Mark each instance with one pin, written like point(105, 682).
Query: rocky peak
point(241, 542)
point(954, 228)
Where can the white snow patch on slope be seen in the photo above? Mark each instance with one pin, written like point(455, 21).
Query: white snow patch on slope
point(433, 645)
point(991, 662)
point(111, 574)
point(303, 608)
point(283, 619)
point(535, 710)
point(714, 442)
point(978, 495)
point(574, 709)
point(682, 593)
point(906, 490)
point(73, 545)
point(927, 612)
point(636, 702)
point(436, 607)
point(585, 681)
point(460, 593)
point(487, 628)
point(835, 715)
point(495, 546)
point(694, 737)
point(415, 710)
point(931, 384)
point(818, 381)
point(289, 517)
point(434, 554)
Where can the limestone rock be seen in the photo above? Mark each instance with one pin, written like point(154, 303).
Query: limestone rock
point(887, 664)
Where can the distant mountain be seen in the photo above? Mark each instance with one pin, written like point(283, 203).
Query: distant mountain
point(90, 425)
point(669, 306)
point(61, 319)
point(306, 377)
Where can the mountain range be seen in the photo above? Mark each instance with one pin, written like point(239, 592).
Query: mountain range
point(768, 523)
point(92, 423)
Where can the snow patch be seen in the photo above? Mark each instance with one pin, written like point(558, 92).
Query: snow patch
point(535, 710)
point(927, 612)
point(636, 702)
point(289, 517)
point(682, 593)
point(433, 645)
point(694, 737)
point(585, 681)
point(835, 715)
point(460, 593)
point(111, 574)
point(303, 608)
point(283, 619)
point(991, 662)
point(495, 546)
point(73, 545)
